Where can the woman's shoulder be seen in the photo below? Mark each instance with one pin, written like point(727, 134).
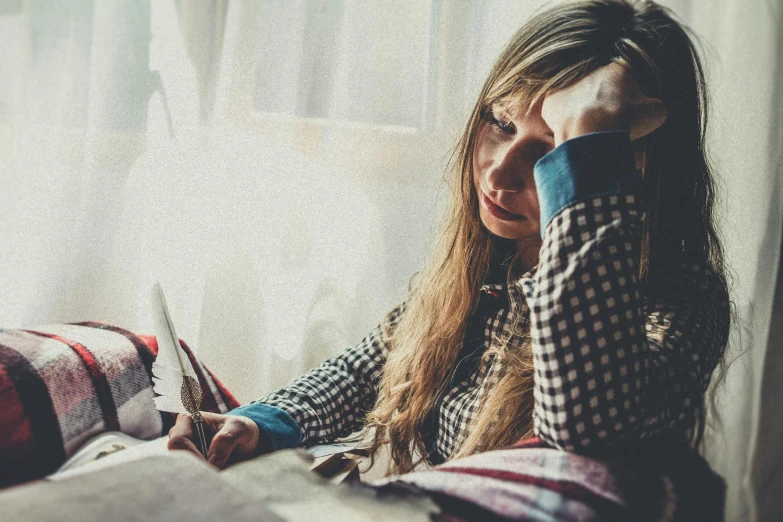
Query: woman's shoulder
point(389, 322)
point(688, 295)
point(693, 278)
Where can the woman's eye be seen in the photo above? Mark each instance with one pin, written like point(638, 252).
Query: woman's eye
point(500, 123)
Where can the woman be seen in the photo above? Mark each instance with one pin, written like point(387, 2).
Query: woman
point(578, 291)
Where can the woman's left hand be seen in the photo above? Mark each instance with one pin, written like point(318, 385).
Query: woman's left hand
point(608, 98)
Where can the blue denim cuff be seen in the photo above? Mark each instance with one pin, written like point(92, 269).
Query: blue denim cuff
point(585, 167)
point(277, 428)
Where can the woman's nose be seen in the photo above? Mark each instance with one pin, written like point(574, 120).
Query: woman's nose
point(512, 167)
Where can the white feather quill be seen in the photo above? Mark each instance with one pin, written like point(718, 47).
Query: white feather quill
point(173, 378)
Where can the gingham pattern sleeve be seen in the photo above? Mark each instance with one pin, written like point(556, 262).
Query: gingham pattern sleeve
point(608, 371)
point(331, 401)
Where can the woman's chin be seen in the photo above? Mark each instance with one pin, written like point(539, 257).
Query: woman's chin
point(514, 230)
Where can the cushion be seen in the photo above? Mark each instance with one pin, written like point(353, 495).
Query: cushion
point(61, 385)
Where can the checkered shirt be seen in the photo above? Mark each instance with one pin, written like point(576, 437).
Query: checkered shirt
point(610, 367)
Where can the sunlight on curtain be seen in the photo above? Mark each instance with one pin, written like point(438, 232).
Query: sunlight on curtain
point(743, 48)
point(277, 164)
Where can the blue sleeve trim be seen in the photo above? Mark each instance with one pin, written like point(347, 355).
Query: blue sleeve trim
point(585, 167)
point(278, 429)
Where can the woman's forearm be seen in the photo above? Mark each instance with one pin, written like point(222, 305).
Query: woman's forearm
point(606, 373)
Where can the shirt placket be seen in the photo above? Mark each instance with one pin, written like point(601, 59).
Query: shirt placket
point(493, 299)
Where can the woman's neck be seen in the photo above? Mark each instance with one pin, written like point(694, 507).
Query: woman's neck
point(528, 250)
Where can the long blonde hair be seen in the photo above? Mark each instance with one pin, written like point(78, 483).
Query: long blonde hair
point(554, 49)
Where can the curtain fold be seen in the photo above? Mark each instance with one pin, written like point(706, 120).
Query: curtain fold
point(278, 164)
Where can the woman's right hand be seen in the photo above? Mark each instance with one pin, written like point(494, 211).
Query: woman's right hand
point(235, 437)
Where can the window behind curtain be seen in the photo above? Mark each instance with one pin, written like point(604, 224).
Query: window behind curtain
point(368, 62)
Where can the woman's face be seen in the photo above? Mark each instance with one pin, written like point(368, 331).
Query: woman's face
point(507, 148)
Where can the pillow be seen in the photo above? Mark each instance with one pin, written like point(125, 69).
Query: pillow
point(61, 385)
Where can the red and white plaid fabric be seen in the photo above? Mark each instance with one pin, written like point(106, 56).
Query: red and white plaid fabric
point(532, 481)
point(61, 385)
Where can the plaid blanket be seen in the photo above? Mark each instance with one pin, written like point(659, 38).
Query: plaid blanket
point(534, 482)
point(61, 385)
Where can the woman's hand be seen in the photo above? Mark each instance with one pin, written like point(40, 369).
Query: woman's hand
point(608, 98)
point(236, 437)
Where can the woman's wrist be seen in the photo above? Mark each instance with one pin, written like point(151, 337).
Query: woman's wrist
point(277, 429)
point(589, 122)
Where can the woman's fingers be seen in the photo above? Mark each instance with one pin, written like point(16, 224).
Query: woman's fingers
point(181, 435)
point(608, 98)
point(236, 440)
point(223, 445)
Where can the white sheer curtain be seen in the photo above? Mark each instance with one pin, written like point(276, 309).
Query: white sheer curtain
point(276, 164)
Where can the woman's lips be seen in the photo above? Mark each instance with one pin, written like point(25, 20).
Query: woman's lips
point(497, 211)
